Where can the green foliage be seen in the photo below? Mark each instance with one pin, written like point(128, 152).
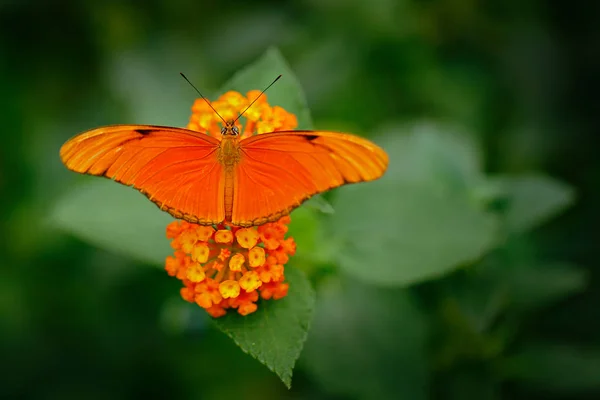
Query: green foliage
point(429, 215)
point(287, 93)
point(408, 233)
point(276, 332)
point(554, 368)
point(433, 154)
point(442, 280)
point(116, 218)
point(419, 221)
point(124, 222)
point(368, 342)
point(535, 286)
point(532, 199)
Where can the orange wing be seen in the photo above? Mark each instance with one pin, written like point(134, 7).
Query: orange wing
point(176, 168)
point(278, 171)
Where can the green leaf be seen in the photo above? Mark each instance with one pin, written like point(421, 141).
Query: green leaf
point(495, 284)
point(532, 199)
point(319, 203)
point(146, 80)
point(286, 93)
point(312, 242)
point(473, 299)
point(539, 285)
point(432, 154)
point(396, 233)
point(555, 368)
point(420, 220)
point(304, 228)
point(114, 217)
point(276, 332)
point(368, 343)
point(469, 382)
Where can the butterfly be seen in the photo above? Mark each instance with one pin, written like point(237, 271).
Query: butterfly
point(207, 181)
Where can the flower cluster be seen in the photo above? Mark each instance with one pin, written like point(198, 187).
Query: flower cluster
point(260, 117)
point(230, 267)
point(224, 266)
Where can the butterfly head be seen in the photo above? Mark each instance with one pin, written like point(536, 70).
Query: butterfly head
point(230, 129)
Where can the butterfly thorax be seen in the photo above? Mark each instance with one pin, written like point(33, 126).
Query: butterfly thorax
point(228, 153)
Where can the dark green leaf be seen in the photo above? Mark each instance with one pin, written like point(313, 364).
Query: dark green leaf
point(532, 199)
point(147, 81)
point(555, 368)
point(538, 285)
point(470, 382)
point(286, 93)
point(475, 299)
point(276, 332)
point(495, 285)
point(368, 343)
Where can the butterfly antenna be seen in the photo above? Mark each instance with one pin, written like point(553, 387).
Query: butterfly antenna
point(257, 97)
point(207, 102)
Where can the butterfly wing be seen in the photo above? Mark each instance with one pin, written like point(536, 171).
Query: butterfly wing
point(278, 171)
point(176, 168)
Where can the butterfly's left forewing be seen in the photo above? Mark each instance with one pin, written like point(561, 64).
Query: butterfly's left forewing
point(176, 168)
point(278, 171)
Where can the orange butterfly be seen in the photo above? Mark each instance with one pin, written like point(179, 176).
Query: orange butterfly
point(204, 180)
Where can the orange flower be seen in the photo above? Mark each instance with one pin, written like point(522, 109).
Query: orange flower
point(227, 267)
point(275, 290)
point(256, 256)
point(260, 118)
point(250, 281)
point(223, 236)
point(230, 276)
point(236, 263)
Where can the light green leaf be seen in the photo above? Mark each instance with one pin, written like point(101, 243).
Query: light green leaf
point(368, 343)
point(429, 153)
point(276, 332)
point(286, 93)
point(398, 233)
point(114, 217)
point(304, 228)
point(319, 203)
point(532, 199)
point(420, 220)
point(314, 247)
point(555, 368)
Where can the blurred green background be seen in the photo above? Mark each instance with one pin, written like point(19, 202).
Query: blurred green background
point(470, 272)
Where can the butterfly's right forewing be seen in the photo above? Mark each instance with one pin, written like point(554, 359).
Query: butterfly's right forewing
point(278, 171)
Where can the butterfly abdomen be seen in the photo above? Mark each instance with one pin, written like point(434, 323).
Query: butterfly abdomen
point(228, 191)
point(229, 156)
